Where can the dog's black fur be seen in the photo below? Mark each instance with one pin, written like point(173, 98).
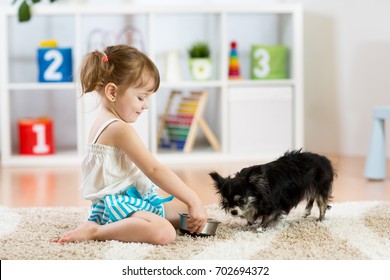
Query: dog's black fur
point(262, 193)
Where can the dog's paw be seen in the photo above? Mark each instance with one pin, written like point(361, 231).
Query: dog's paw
point(261, 229)
point(256, 227)
point(305, 215)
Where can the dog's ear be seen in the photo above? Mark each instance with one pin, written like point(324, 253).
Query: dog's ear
point(218, 179)
point(245, 172)
point(253, 174)
point(260, 182)
point(256, 178)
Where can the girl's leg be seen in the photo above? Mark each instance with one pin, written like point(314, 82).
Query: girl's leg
point(142, 227)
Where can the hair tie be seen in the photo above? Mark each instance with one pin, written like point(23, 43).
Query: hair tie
point(105, 57)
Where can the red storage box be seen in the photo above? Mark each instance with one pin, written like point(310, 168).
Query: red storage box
point(36, 136)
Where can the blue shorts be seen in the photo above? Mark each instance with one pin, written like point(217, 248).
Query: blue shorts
point(116, 207)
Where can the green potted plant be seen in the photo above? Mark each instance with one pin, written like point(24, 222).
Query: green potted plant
point(24, 8)
point(200, 61)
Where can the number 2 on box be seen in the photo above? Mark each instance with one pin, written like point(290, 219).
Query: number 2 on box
point(51, 73)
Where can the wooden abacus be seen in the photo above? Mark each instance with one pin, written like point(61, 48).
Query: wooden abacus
point(182, 127)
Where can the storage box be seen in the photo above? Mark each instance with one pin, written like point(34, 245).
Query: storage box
point(36, 136)
point(268, 62)
point(261, 120)
point(55, 65)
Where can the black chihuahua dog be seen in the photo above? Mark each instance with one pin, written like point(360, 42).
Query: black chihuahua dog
point(263, 193)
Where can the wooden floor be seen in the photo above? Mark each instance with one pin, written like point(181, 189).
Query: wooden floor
point(49, 187)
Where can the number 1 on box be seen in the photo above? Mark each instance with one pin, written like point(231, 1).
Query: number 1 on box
point(41, 147)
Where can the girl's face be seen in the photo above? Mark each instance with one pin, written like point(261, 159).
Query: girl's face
point(131, 104)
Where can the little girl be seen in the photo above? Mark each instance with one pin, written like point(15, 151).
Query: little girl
point(120, 175)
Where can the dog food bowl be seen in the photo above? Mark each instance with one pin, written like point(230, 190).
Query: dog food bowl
point(209, 229)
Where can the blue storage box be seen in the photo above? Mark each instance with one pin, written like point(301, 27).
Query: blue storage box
point(55, 65)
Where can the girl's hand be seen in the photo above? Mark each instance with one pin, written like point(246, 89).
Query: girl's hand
point(198, 218)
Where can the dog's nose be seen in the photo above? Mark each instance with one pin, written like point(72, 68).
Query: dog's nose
point(234, 212)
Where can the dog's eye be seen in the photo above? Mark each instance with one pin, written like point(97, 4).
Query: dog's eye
point(241, 201)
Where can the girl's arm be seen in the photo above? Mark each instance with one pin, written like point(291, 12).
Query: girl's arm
point(126, 138)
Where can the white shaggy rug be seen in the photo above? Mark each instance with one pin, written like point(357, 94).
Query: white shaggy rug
point(353, 230)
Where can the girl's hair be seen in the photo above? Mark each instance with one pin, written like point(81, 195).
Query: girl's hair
point(123, 65)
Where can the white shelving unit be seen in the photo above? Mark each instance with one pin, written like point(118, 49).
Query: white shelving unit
point(164, 28)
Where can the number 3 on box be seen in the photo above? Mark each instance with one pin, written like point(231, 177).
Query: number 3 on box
point(263, 58)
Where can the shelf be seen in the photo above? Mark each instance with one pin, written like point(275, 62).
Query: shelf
point(199, 157)
point(60, 158)
point(191, 84)
point(260, 83)
point(164, 28)
point(111, 9)
point(42, 86)
point(233, 83)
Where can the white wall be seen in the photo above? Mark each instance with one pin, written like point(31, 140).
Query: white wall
point(346, 72)
point(347, 58)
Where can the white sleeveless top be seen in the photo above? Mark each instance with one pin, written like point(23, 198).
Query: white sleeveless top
point(108, 170)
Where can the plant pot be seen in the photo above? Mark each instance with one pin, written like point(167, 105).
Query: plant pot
point(200, 68)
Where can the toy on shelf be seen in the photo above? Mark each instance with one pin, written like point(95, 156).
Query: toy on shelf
point(234, 65)
point(200, 61)
point(269, 62)
point(36, 136)
point(172, 69)
point(181, 127)
point(54, 63)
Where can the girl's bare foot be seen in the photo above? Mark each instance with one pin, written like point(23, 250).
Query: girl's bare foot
point(85, 231)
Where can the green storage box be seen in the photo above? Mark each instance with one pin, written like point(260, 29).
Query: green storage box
point(268, 62)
